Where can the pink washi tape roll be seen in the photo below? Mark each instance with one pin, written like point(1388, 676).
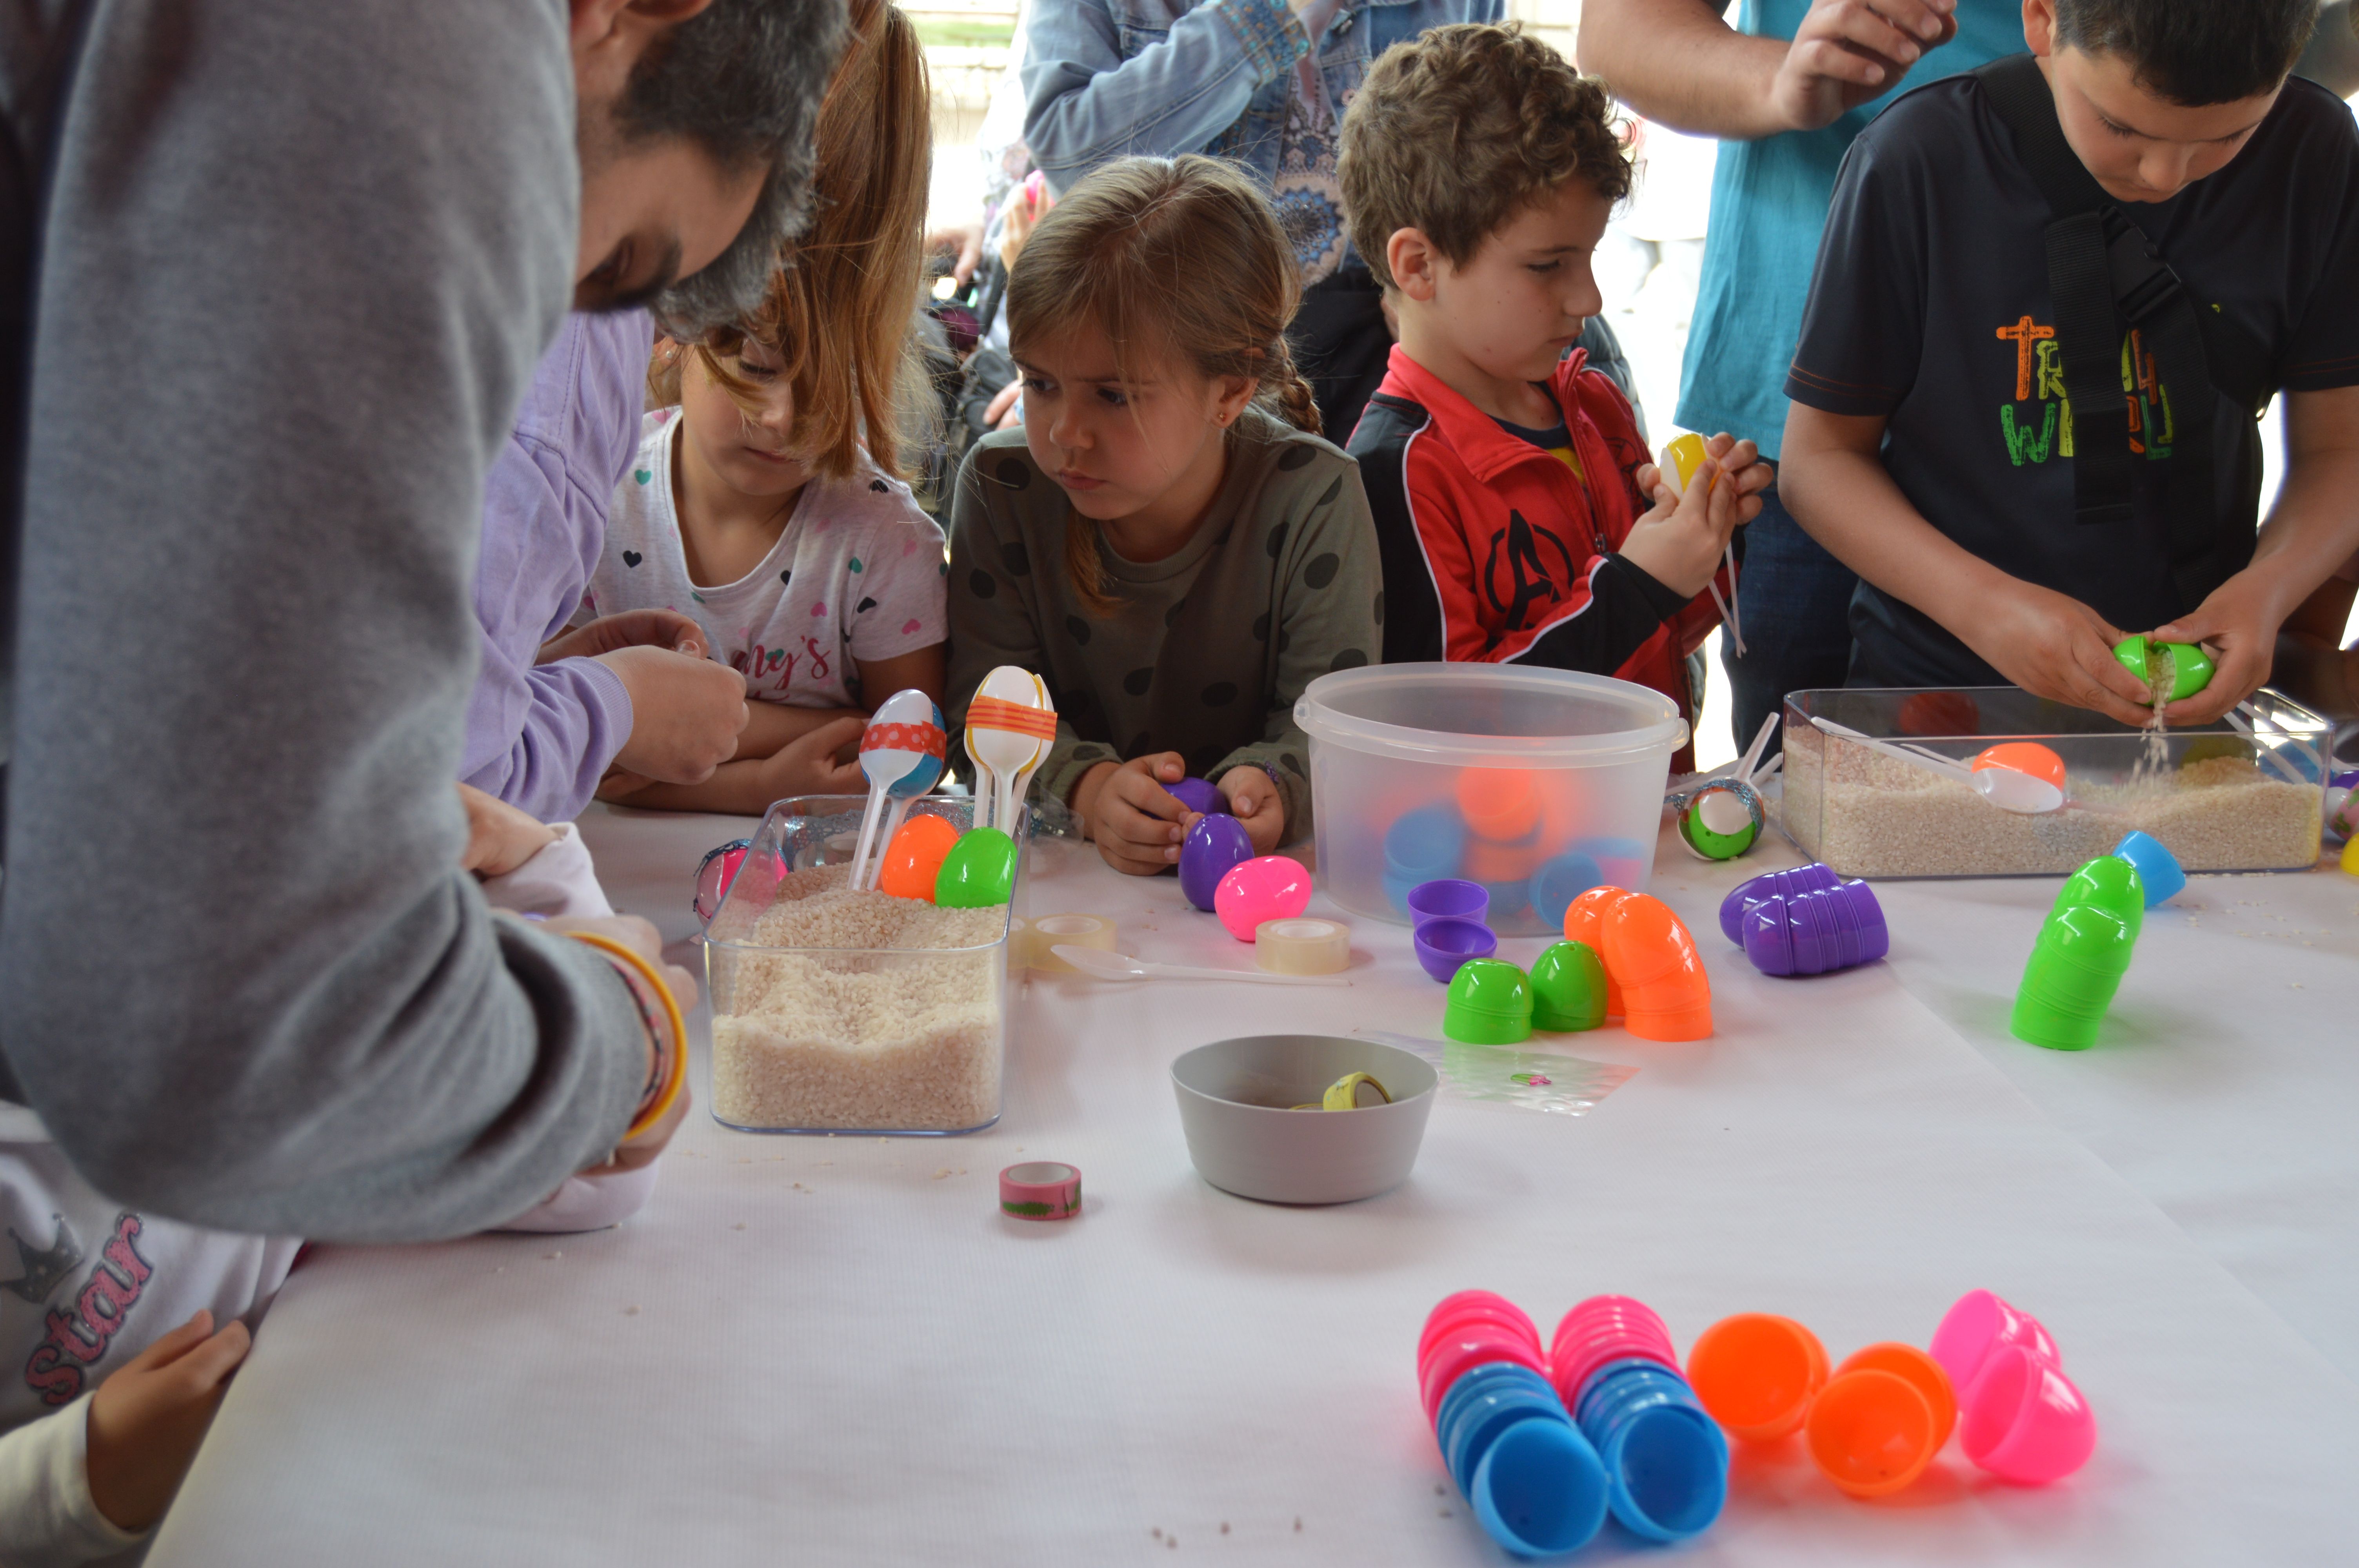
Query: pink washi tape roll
point(1040, 1189)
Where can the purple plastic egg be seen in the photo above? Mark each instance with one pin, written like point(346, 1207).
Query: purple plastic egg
point(1791, 881)
point(1218, 843)
point(1816, 931)
point(1198, 796)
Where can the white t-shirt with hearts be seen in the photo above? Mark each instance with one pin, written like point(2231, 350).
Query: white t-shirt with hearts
point(857, 574)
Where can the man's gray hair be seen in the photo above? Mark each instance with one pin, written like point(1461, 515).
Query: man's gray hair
point(744, 79)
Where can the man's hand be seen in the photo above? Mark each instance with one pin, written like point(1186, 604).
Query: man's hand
point(1680, 542)
point(640, 937)
point(686, 713)
point(631, 629)
point(963, 243)
point(1848, 51)
point(807, 764)
point(1255, 801)
point(2057, 647)
point(499, 837)
point(1139, 825)
point(2237, 624)
point(147, 1418)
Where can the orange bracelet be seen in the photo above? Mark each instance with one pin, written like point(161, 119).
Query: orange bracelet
point(675, 1066)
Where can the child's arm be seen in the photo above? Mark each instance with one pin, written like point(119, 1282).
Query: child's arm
point(89, 1480)
point(1330, 625)
point(805, 765)
point(2312, 529)
point(1833, 480)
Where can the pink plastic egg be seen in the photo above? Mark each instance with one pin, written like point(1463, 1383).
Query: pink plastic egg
point(1268, 887)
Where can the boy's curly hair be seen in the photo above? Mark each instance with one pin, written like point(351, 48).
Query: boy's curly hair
point(1452, 133)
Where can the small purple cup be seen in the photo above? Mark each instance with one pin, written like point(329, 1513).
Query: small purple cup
point(1198, 796)
point(1448, 898)
point(1215, 846)
point(1442, 945)
point(1789, 882)
point(1816, 931)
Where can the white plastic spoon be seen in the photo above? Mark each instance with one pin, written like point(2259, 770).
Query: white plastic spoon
point(997, 751)
point(2003, 787)
point(1120, 967)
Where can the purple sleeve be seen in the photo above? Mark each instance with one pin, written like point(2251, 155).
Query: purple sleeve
point(541, 736)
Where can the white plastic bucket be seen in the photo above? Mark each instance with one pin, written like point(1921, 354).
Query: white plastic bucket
point(1536, 783)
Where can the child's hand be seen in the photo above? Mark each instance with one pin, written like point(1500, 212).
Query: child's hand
point(630, 629)
point(1138, 824)
point(807, 764)
point(1255, 801)
point(499, 837)
point(686, 713)
point(2054, 646)
point(147, 1418)
point(1680, 542)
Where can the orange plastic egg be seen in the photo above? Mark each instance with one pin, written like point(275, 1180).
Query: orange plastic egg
point(2024, 757)
point(914, 858)
point(1499, 804)
point(1584, 919)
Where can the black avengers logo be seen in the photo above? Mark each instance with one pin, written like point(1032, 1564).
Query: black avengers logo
point(1530, 579)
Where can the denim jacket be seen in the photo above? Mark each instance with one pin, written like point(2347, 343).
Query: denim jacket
point(1109, 78)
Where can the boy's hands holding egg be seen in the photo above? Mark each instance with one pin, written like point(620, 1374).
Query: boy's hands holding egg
point(1254, 801)
point(1681, 541)
point(1137, 824)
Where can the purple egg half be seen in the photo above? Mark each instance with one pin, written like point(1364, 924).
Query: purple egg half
point(1217, 844)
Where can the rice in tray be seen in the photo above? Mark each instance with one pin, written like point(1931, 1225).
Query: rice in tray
point(1872, 816)
point(905, 1041)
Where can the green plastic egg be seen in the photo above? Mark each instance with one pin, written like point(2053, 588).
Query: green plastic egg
point(1490, 1003)
point(978, 872)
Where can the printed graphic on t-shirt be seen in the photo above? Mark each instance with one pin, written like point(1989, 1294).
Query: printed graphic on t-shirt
point(1525, 567)
point(77, 1335)
point(2043, 431)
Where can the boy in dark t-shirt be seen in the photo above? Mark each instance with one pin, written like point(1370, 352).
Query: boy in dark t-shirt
point(1930, 444)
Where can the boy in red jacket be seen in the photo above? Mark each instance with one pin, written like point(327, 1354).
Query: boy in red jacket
point(1509, 482)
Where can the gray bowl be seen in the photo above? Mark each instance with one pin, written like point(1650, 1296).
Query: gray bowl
point(1233, 1099)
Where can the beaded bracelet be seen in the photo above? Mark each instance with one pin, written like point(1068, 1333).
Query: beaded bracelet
point(670, 1072)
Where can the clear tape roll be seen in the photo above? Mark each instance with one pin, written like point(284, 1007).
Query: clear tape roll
point(1073, 930)
point(1302, 946)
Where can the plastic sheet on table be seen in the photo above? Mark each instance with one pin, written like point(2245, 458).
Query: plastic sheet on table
point(1507, 1074)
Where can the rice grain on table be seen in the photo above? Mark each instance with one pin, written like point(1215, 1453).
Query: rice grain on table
point(1866, 814)
point(909, 1040)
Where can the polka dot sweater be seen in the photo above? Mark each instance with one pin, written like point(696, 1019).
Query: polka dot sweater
point(1207, 649)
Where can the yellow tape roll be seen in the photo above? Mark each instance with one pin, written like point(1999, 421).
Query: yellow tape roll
point(1302, 946)
point(1074, 930)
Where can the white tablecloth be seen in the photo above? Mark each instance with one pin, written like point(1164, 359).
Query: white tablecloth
point(833, 1351)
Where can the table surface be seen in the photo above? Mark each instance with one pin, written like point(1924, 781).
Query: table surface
point(814, 1350)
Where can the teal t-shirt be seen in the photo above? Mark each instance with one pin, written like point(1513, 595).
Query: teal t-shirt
point(1769, 204)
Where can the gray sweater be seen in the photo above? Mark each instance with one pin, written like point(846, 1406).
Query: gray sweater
point(1207, 650)
point(296, 264)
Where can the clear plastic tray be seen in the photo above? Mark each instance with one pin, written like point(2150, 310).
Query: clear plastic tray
point(851, 1038)
point(2216, 800)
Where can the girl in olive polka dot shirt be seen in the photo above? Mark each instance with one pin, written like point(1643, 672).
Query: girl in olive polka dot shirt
point(1166, 542)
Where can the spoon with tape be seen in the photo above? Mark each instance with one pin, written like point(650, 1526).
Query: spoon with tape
point(1015, 787)
point(1120, 967)
point(902, 752)
point(1008, 730)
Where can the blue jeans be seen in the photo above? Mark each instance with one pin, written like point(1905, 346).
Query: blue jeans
point(1794, 601)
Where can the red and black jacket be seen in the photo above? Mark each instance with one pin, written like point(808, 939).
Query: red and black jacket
point(1494, 552)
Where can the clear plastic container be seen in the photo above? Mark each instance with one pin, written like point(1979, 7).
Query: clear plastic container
point(839, 1036)
point(1538, 783)
point(2216, 799)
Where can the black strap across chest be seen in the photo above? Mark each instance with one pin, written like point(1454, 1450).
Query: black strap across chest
point(2106, 279)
